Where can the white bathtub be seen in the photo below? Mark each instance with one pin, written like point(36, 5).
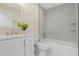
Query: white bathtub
point(60, 48)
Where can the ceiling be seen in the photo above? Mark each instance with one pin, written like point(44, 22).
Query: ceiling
point(48, 6)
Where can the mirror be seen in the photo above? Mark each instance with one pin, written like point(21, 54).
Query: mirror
point(9, 12)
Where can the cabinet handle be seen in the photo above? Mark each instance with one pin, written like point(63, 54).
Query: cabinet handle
point(24, 47)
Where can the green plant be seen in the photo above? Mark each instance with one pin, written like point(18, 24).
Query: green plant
point(22, 26)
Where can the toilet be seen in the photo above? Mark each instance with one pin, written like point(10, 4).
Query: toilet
point(42, 48)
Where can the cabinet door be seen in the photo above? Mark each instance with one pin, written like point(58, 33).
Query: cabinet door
point(29, 46)
point(14, 47)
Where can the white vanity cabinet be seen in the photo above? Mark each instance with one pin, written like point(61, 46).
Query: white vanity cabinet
point(12, 47)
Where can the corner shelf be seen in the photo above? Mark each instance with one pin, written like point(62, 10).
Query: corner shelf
point(73, 24)
point(73, 30)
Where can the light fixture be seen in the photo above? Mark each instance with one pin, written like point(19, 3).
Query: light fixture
point(21, 4)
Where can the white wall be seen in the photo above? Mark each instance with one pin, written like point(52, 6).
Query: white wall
point(58, 23)
point(42, 22)
point(30, 15)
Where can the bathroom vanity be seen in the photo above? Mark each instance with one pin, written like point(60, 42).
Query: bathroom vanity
point(17, 45)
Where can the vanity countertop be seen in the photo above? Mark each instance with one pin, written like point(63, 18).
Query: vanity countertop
point(9, 37)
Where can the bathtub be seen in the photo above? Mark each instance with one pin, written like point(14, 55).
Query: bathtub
point(60, 48)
